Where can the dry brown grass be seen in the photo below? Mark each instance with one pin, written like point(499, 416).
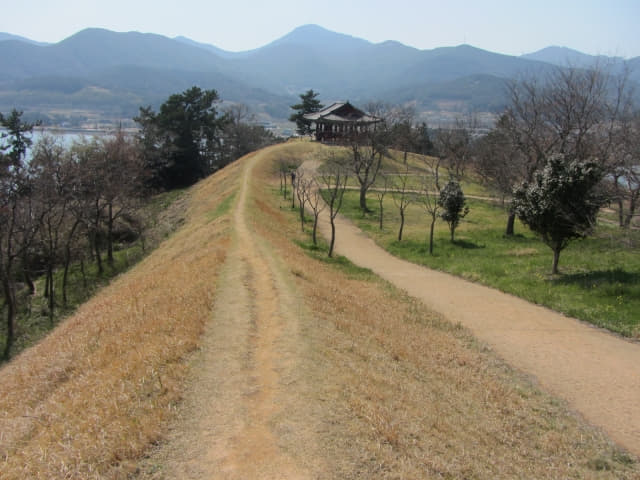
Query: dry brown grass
point(382, 387)
point(400, 393)
point(90, 398)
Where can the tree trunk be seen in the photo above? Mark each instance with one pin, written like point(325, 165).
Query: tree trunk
point(301, 214)
point(621, 219)
point(401, 224)
point(96, 250)
point(110, 236)
point(10, 301)
point(333, 237)
point(65, 278)
point(381, 214)
point(511, 220)
point(67, 262)
point(556, 258)
point(84, 276)
point(363, 199)
point(315, 229)
point(46, 287)
point(431, 229)
point(453, 231)
point(52, 300)
point(632, 210)
point(27, 279)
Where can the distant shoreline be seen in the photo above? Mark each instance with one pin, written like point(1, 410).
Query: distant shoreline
point(82, 131)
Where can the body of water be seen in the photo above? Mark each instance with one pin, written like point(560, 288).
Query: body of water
point(67, 137)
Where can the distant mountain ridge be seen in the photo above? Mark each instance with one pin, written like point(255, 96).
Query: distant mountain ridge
point(8, 36)
point(96, 68)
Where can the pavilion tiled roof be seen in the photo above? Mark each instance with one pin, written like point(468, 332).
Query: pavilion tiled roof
point(341, 112)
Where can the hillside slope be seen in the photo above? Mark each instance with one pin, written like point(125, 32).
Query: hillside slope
point(93, 65)
point(238, 351)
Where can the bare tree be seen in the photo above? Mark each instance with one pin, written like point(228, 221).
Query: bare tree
point(573, 113)
point(368, 148)
point(316, 203)
point(501, 166)
point(287, 165)
point(122, 182)
point(282, 173)
point(625, 170)
point(334, 178)
point(51, 194)
point(302, 185)
point(401, 131)
point(430, 202)
point(15, 210)
point(89, 203)
point(454, 145)
point(382, 188)
point(235, 139)
point(402, 196)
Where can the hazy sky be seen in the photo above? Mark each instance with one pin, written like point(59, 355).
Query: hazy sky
point(513, 27)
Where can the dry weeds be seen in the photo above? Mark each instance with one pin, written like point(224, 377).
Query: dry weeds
point(401, 393)
point(382, 387)
point(91, 397)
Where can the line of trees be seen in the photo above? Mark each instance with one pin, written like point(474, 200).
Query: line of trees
point(566, 145)
point(60, 206)
point(68, 204)
point(362, 161)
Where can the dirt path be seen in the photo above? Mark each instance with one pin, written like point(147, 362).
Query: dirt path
point(596, 372)
point(226, 427)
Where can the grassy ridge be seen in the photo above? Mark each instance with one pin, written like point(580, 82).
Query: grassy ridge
point(93, 395)
point(388, 389)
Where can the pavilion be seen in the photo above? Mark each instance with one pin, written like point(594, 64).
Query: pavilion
point(340, 121)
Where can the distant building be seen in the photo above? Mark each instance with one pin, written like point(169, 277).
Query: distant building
point(340, 121)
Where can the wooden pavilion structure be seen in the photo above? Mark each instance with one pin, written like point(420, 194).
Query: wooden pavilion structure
point(340, 121)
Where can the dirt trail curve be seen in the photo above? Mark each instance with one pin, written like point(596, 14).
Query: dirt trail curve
point(596, 372)
point(226, 429)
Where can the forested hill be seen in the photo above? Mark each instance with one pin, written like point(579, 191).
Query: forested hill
point(114, 73)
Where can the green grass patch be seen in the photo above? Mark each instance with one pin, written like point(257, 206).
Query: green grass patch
point(319, 252)
point(222, 208)
point(600, 275)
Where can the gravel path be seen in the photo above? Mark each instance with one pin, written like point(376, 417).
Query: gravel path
point(597, 372)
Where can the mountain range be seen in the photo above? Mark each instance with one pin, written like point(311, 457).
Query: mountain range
point(110, 74)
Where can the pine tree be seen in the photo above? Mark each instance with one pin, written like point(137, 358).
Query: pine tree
point(309, 104)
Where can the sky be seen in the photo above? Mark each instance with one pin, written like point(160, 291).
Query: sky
point(513, 27)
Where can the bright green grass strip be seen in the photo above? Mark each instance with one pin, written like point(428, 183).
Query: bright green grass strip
point(600, 275)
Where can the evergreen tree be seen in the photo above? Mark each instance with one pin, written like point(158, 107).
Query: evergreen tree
point(182, 143)
point(309, 104)
point(561, 203)
point(453, 205)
